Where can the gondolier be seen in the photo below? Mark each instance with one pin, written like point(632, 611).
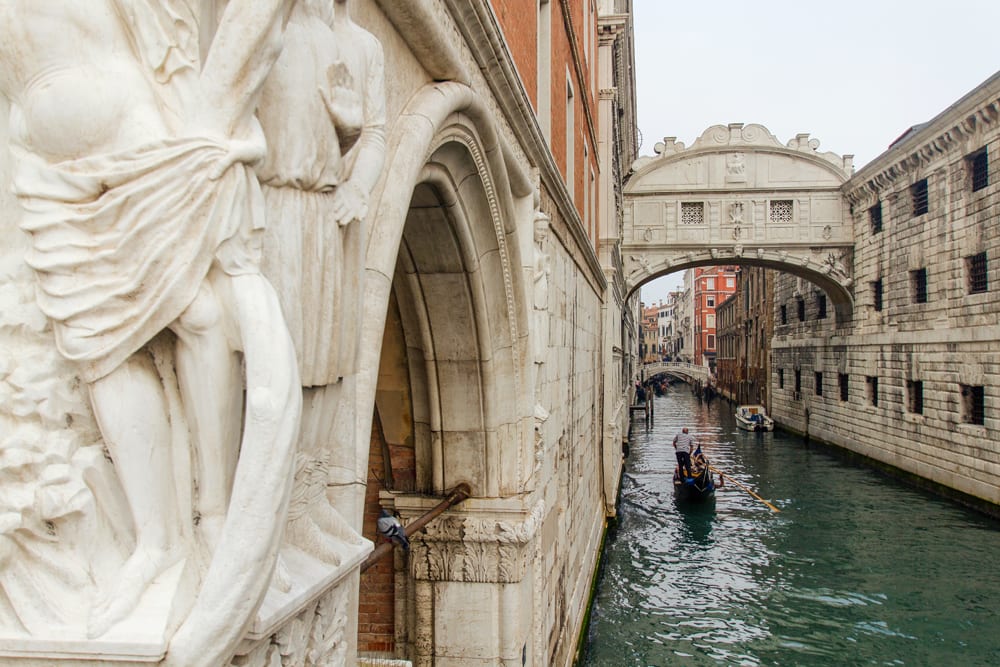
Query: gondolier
point(683, 445)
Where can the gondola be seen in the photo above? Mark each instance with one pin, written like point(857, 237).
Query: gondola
point(700, 486)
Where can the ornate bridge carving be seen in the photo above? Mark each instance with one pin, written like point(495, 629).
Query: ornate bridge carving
point(739, 196)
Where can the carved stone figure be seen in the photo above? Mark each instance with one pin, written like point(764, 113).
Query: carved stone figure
point(326, 153)
point(132, 165)
point(541, 270)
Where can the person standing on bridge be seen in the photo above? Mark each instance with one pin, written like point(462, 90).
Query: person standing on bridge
point(683, 444)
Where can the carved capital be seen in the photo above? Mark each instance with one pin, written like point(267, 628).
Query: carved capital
point(472, 549)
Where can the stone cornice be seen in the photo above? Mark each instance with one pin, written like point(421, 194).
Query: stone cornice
point(739, 138)
point(416, 24)
point(923, 146)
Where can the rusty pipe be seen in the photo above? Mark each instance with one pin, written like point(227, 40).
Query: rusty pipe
point(457, 495)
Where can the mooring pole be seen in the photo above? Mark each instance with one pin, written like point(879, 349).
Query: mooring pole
point(457, 495)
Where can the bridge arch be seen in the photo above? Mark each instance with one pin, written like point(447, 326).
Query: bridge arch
point(739, 196)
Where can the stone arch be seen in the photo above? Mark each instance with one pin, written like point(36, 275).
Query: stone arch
point(818, 270)
point(443, 246)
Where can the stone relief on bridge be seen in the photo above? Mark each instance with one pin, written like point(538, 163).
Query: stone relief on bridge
point(150, 395)
point(740, 196)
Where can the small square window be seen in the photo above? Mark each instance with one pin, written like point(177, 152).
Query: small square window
point(780, 211)
point(819, 384)
point(821, 306)
point(918, 285)
point(973, 404)
point(800, 305)
point(781, 378)
point(975, 267)
point(919, 197)
point(979, 169)
point(784, 314)
point(877, 294)
point(842, 384)
point(871, 389)
point(915, 396)
point(692, 213)
point(875, 218)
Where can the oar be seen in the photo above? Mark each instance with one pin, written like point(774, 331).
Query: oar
point(713, 469)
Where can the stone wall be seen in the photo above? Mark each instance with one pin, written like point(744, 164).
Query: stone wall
point(935, 412)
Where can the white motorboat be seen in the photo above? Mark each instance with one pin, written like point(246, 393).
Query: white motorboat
point(753, 418)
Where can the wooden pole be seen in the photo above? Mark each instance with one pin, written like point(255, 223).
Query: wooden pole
point(713, 469)
point(458, 494)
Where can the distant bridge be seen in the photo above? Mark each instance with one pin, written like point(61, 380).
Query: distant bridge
point(687, 372)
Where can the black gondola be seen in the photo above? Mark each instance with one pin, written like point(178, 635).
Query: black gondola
point(700, 486)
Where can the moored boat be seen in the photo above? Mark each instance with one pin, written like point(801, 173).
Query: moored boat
point(753, 418)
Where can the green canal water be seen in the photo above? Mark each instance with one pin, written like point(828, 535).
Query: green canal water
point(856, 568)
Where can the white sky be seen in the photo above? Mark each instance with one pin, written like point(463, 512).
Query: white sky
point(854, 74)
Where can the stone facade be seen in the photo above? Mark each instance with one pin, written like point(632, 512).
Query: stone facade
point(746, 325)
point(910, 381)
point(494, 350)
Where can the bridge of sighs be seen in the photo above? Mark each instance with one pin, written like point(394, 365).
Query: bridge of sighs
point(740, 196)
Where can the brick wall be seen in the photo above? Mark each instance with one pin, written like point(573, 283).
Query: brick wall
point(376, 604)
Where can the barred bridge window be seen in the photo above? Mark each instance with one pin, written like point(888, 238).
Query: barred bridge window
point(915, 396)
point(979, 169)
point(973, 404)
point(918, 193)
point(692, 213)
point(976, 268)
point(918, 283)
point(875, 217)
point(780, 210)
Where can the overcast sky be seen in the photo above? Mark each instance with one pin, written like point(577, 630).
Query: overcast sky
point(854, 74)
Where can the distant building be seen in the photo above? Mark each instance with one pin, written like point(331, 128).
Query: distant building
point(745, 324)
point(712, 284)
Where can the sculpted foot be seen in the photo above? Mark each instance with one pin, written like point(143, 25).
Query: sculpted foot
point(330, 521)
point(306, 535)
point(139, 571)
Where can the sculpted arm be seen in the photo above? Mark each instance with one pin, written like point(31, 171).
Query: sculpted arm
point(351, 200)
point(244, 48)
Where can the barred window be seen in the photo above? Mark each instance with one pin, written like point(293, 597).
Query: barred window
point(918, 285)
point(801, 307)
point(973, 404)
point(871, 389)
point(979, 169)
point(819, 384)
point(821, 305)
point(781, 378)
point(780, 210)
point(975, 266)
point(842, 383)
point(692, 213)
point(784, 314)
point(798, 380)
point(915, 396)
point(877, 294)
point(918, 194)
point(875, 217)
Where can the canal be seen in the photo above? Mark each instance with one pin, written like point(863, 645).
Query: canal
point(856, 568)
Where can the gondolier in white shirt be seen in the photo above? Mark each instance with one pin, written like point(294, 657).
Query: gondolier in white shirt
point(683, 445)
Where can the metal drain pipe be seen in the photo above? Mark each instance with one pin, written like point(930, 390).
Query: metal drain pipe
point(457, 495)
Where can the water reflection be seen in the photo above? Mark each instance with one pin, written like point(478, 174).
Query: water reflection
point(855, 569)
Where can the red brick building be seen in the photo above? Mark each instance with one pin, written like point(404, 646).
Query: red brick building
point(712, 285)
